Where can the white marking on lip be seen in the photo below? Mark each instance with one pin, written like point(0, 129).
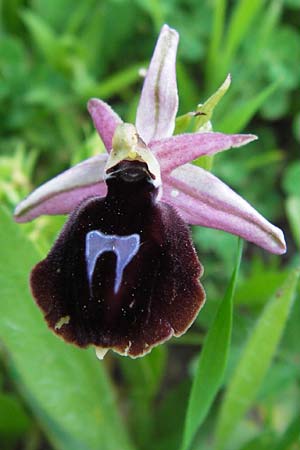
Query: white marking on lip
point(127, 348)
point(124, 247)
point(62, 321)
point(101, 352)
point(174, 193)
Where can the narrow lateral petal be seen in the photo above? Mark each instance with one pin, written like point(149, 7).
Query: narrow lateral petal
point(202, 199)
point(177, 150)
point(63, 193)
point(105, 120)
point(158, 104)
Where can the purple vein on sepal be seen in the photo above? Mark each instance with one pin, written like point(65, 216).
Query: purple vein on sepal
point(124, 247)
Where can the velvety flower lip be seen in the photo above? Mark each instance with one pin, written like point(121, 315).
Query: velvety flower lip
point(123, 273)
point(210, 202)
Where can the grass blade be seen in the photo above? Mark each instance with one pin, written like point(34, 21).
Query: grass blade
point(43, 36)
point(290, 436)
point(241, 115)
point(241, 19)
point(66, 388)
point(212, 362)
point(292, 206)
point(114, 84)
point(255, 361)
point(214, 50)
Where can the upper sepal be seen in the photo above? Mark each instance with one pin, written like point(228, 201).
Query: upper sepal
point(158, 104)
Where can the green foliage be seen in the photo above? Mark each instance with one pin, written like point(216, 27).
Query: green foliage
point(255, 360)
point(66, 388)
point(293, 214)
point(54, 55)
point(14, 420)
point(212, 362)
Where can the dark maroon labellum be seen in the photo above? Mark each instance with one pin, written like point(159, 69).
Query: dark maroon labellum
point(123, 273)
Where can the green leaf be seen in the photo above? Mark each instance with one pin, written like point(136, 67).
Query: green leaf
point(216, 37)
point(143, 377)
point(264, 441)
point(14, 420)
point(290, 436)
point(255, 360)
point(237, 119)
point(296, 126)
point(278, 103)
point(79, 13)
point(206, 110)
point(156, 10)
point(144, 374)
point(169, 418)
point(293, 3)
point(188, 88)
point(115, 83)
point(291, 179)
point(260, 284)
point(293, 213)
point(43, 36)
point(67, 388)
point(199, 120)
point(212, 362)
point(241, 19)
point(281, 57)
point(185, 123)
point(58, 13)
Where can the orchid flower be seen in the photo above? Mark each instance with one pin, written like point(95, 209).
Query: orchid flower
point(124, 274)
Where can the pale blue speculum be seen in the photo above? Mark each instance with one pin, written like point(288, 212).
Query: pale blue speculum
point(124, 247)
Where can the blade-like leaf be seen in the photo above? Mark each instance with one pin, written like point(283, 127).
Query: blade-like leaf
point(145, 374)
point(219, 16)
point(255, 360)
point(43, 36)
point(66, 388)
point(114, 83)
point(212, 362)
point(206, 110)
point(199, 120)
point(243, 113)
point(290, 436)
point(242, 18)
point(292, 206)
point(143, 377)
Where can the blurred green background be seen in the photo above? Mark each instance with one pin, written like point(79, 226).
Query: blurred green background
point(54, 56)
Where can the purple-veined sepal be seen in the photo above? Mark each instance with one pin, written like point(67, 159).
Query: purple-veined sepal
point(158, 104)
point(62, 194)
point(202, 199)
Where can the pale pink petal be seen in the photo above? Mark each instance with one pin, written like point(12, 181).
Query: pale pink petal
point(105, 120)
point(63, 193)
point(158, 104)
point(177, 150)
point(202, 199)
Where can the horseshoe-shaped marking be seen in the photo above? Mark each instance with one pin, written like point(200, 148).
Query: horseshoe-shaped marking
point(124, 247)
